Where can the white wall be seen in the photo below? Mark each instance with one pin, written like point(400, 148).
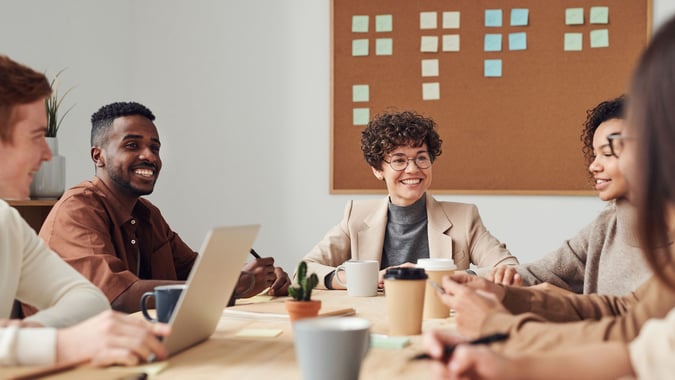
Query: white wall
point(241, 92)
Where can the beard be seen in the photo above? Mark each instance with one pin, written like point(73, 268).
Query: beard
point(125, 185)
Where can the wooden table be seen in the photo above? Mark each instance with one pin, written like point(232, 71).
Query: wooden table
point(226, 356)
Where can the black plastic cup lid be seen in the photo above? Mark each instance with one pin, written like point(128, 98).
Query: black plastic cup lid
point(405, 274)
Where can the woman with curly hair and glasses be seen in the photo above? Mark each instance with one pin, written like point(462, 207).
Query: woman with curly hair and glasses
point(408, 224)
point(604, 257)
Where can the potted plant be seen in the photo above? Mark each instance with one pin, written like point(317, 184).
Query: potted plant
point(301, 304)
point(50, 180)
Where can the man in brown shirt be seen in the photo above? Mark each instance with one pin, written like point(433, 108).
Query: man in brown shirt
point(117, 239)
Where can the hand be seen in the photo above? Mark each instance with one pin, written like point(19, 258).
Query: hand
point(472, 306)
point(112, 338)
point(380, 279)
point(264, 276)
point(479, 283)
point(476, 362)
point(505, 275)
point(548, 287)
point(435, 342)
point(280, 285)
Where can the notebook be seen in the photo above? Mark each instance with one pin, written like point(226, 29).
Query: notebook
point(209, 286)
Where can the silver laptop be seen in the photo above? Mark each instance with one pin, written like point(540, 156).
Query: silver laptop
point(210, 285)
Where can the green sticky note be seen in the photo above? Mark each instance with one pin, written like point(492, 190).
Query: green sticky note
point(520, 16)
point(574, 16)
point(573, 41)
point(384, 23)
point(492, 68)
point(518, 41)
point(493, 17)
point(599, 38)
point(359, 24)
point(360, 48)
point(391, 342)
point(384, 46)
point(493, 42)
point(360, 93)
point(361, 116)
point(451, 20)
point(599, 15)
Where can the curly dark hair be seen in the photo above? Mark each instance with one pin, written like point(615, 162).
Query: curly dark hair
point(390, 130)
point(102, 120)
point(607, 110)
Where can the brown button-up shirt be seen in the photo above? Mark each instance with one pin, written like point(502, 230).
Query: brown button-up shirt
point(115, 243)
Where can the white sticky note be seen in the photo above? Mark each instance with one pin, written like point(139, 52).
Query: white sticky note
point(451, 20)
point(451, 42)
point(384, 46)
point(600, 38)
point(573, 41)
point(599, 15)
point(361, 116)
point(360, 48)
point(428, 20)
point(429, 44)
point(384, 23)
point(431, 91)
point(574, 16)
point(429, 67)
point(359, 24)
point(360, 93)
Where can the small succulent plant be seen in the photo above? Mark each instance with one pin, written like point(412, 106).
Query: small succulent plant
point(303, 290)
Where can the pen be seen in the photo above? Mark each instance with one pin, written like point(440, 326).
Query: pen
point(450, 348)
point(255, 254)
point(436, 286)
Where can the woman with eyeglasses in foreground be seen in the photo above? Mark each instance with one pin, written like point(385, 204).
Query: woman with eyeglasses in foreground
point(408, 224)
point(647, 158)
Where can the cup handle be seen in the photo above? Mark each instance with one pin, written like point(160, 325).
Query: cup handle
point(337, 273)
point(144, 306)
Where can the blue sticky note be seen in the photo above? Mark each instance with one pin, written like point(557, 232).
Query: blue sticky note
point(493, 68)
point(519, 16)
point(518, 41)
point(493, 17)
point(493, 42)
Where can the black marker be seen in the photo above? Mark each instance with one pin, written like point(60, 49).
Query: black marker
point(450, 348)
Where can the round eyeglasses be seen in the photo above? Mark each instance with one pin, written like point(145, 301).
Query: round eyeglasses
point(400, 162)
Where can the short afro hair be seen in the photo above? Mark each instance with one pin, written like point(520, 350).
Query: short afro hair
point(102, 120)
point(607, 110)
point(390, 130)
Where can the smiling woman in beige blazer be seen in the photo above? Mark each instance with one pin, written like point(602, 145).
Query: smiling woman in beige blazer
point(408, 224)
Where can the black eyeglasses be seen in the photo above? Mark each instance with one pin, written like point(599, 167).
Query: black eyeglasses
point(617, 143)
point(400, 162)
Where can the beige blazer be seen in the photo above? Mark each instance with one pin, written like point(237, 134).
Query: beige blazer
point(455, 230)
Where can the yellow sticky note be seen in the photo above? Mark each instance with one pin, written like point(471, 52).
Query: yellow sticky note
point(428, 20)
point(451, 20)
point(431, 91)
point(259, 333)
point(429, 67)
point(451, 42)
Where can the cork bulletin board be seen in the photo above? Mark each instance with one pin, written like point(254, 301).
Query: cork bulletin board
point(507, 81)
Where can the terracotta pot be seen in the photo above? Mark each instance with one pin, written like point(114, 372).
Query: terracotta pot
point(302, 309)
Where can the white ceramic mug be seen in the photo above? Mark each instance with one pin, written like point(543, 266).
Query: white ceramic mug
point(331, 348)
point(361, 277)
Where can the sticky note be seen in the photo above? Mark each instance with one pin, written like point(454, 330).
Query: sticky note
point(492, 68)
point(429, 44)
point(431, 91)
point(599, 15)
point(259, 333)
point(359, 48)
point(384, 46)
point(359, 24)
point(518, 41)
point(451, 42)
point(360, 93)
point(520, 16)
point(493, 17)
point(385, 341)
point(493, 42)
point(573, 41)
point(451, 20)
point(429, 67)
point(384, 23)
point(599, 38)
point(428, 20)
point(574, 16)
point(361, 116)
